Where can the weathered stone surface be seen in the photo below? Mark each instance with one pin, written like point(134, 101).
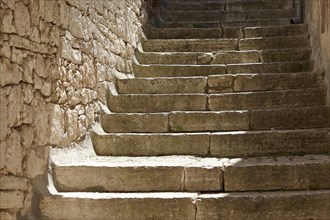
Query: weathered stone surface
point(221, 83)
point(184, 33)
point(4, 130)
point(276, 31)
point(268, 143)
point(162, 85)
point(255, 22)
point(141, 206)
point(11, 199)
point(7, 216)
point(141, 174)
point(278, 81)
point(292, 118)
point(177, 70)
point(299, 54)
point(196, 6)
point(279, 173)
point(258, 5)
point(7, 25)
point(270, 13)
point(150, 144)
point(189, 45)
point(157, 103)
point(273, 43)
point(22, 19)
point(135, 122)
point(13, 183)
point(203, 15)
point(284, 67)
point(14, 154)
point(264, 205)
point(236, 57)
point(10, 73)
point(208, 121)
point(264, 100)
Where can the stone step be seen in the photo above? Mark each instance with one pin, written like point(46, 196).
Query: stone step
point(226, 32)
point(162, 85)
point(226, 23)
point(288, 118)
point(149, 144)
point(139, 174)
point(212, 45)
point(161, 70)
point(224, 57)
point(187, 173)
point(309, 172)
point(214, 15)
point(219, 83)
point(277, 67)
point(270, 143)
point(228, 5)
point(260, 82)
point(266, 100)
point(218, 144)
point(190, 206)
point(157, 102)
point(189, 45)
point(263, 205)
point(269, 43)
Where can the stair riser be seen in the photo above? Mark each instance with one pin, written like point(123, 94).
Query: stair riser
point(225, 15)
point(151, 145)
point(145, 179)
point(270, 143)
point(216, 102)
point(308, 176)
point(229, 57)
point(221, 83)
point(314, 117)
point(266, 100)
point(227, 23)
point(236, 144)
point(225, 44)
point(262, 82)
point(290, 205)
point(227, 32)
point(287, 206)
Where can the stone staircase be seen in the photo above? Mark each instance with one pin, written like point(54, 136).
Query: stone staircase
point(224, 120)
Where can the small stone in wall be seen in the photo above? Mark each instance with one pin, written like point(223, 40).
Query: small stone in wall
point(15, 106)
point(35, 164)
point(56, 120)
point(6, 25)
point(14, 157)
point(5, 50)
point(10, 73)
point(40, 68)
point(22, 19)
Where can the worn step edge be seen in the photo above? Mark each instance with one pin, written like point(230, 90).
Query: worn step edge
point(92, 206)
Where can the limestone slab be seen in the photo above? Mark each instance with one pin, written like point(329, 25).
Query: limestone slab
point(291, 118)
point(184, 33)
point(209, 121)
point(156, 103)
point(255, 22)
point(268, 99)
point(273, 43)
point(276, 31)
point(284, 55)
point(278, 173)
point(95, 206)
point(282, 67)
point(268, 143)
point(135, 122)
point(177, 70)
point(264, 205)
point(189, 45)
point(146, 144)
point(162, 85)
point(228, 57)
point(139, 174)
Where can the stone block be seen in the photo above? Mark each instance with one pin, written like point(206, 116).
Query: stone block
point(150, 144)
point(269, 143)
point(135, 122)
point(279, 173)
point(209, 121)
point(161, 85)
point(11, 199)
point(157, 103)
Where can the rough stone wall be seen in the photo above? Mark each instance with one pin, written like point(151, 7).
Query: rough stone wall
point(56, 57)
point(317, 15)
